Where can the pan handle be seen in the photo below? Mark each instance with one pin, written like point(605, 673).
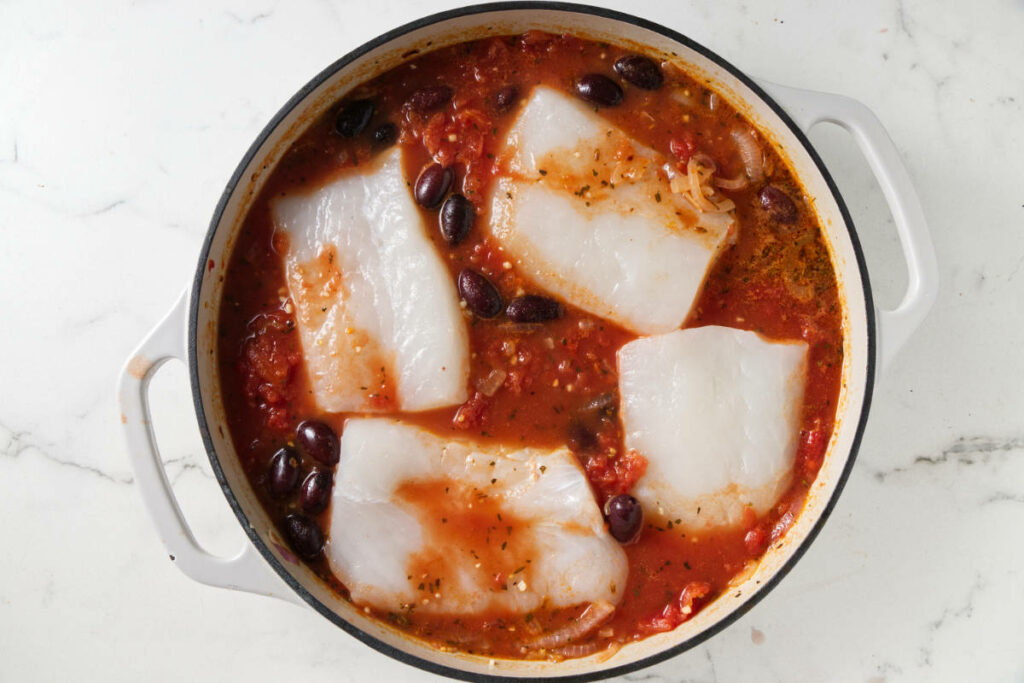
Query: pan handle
point(809, 108)
point(247, 570)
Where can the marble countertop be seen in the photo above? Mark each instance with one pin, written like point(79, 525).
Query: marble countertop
point(120, 123)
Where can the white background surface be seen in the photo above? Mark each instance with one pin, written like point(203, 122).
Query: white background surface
point(120, 124)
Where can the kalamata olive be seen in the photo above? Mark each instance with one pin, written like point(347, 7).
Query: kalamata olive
point(304, 536)
point(580, 438)
point(625, 517)
point(456, 219)
point(318, 441)
point(532, 308)
point(433, 184)
point(640, 71)
point(284, 472)
point(316, 491)
point(431, 98)
point(481, 297)
point(505, 98)
point(599, 89)
point(354, 117)
point(777, 203)
point(385, 134)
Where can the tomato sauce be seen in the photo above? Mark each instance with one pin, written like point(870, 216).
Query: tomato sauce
point(556, 380)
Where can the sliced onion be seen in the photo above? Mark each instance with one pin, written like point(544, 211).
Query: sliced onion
point(533, 627)
point(696, 193)
point(596, 614)
point(713, 101)
point(677, 182)
point(737, 183)
point(782, 525)
point(750, 153)
point(721, 222)
point(579, 649)
point(697, 186)
point(705, 161)
point(680, 96)
point(492, 382)
point(725, 204)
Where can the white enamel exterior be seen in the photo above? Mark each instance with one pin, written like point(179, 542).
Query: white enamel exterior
point(172, 338)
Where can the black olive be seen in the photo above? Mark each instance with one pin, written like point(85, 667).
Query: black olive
point(318, 441)
point(778, 204)
point(481, 297)
point(532, 308)
point(599, 89)
point(426, 100)
point(456, 218)
point(640, 71)
point(385, 134)
point(625, 517)
point(505, 98)
point(304, 536)
point(316, 491)
point(581, 438)
point(284, 472)
point(433, 184)
point(354, 118)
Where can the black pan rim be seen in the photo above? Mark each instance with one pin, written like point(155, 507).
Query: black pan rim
point(235, 180)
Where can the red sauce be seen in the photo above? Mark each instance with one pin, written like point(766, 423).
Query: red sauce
point(777, 279)
point(459, 523)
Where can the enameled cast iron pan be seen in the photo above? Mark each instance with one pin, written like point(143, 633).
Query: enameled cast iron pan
point(784, 115)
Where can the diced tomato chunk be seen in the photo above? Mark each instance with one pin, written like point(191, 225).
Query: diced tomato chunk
point(812, 448)
point(472, 413)
point(434, 132)
point(683, 146)
point(629, 468)
point(678, 611)
point(755, 540)
point(269, 357)
point(278, 417)
point(615, 475)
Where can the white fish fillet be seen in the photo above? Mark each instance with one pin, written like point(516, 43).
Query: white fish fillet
point(377, 310)
point(389, 550)
point(588, 214)
point(715, 411)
